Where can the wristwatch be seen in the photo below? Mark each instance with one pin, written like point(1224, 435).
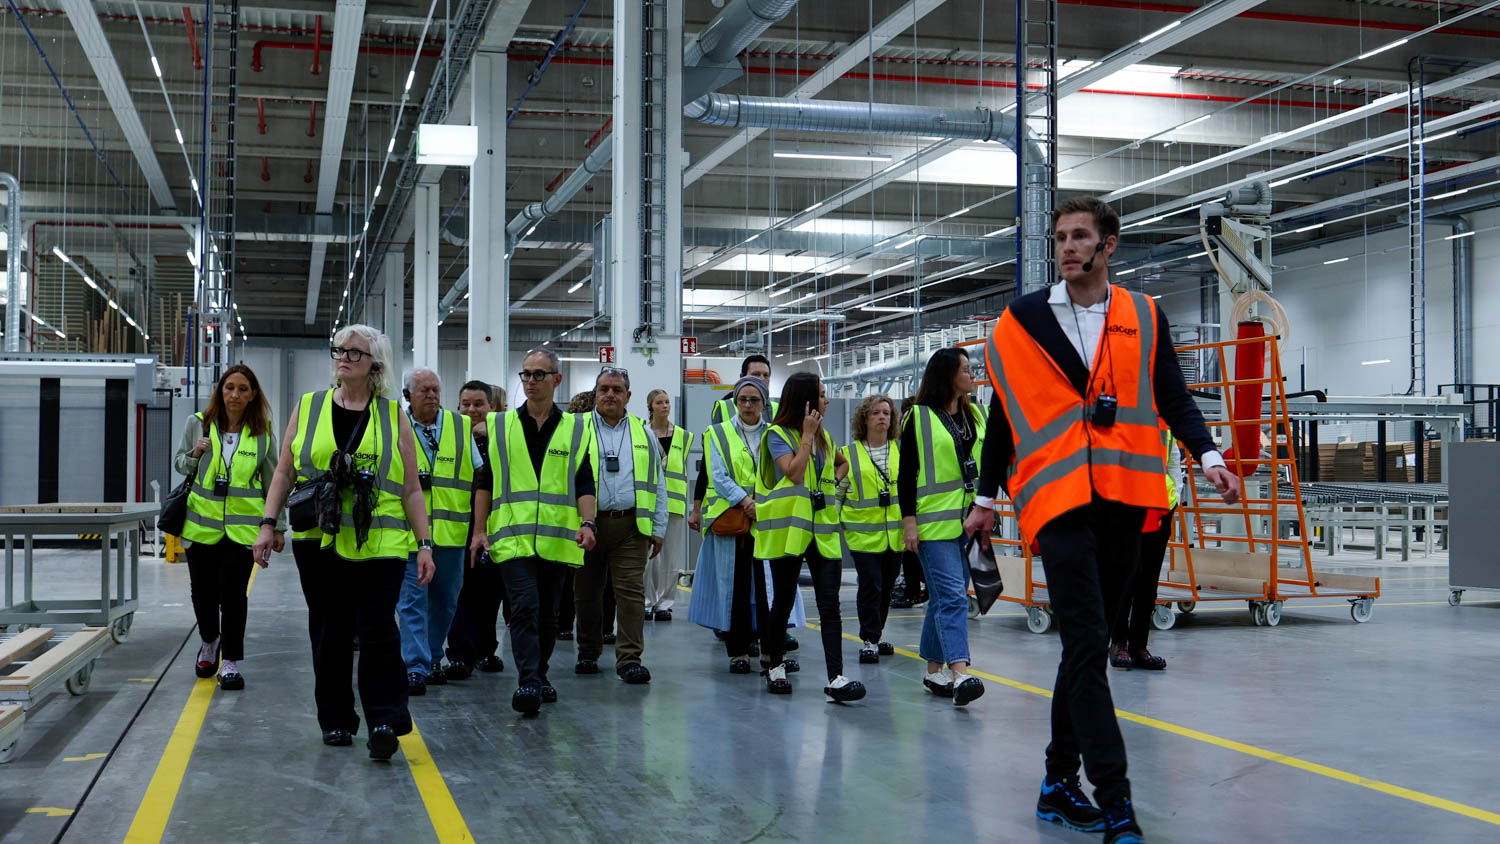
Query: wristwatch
point(590, 525)
point(425, 545)
point(268, 522)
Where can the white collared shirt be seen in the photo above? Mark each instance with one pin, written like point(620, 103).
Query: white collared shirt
point(1082, 326)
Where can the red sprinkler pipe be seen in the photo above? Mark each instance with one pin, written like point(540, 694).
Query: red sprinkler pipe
point(187, 18)
point(257, 61)
point(312, 120)
point(1249, 365)
point(265, 169)
point(309, 177)
point(317, 43)
point(260, 113)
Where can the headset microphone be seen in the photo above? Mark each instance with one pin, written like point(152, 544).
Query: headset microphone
point(1088, 266)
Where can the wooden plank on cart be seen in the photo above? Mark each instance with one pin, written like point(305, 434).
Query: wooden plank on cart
point(1349, 582)
point(34, 673)
point(22, 644)
point(1231, 563)
point(12, 718)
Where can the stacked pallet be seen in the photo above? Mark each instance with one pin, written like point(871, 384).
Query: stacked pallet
point(1357, 462)
point(1325, 461)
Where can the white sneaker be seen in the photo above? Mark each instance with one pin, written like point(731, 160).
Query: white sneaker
point(843, 690)
point(776, 681)
point(869, 652)
point(966, 688)
point(939, 683)
point(209, 652)
point(228, 667)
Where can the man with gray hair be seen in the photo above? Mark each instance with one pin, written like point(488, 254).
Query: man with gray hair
point(446, 460)
point(632, 500)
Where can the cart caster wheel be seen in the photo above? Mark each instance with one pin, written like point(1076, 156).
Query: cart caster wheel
point(1038, 619)
point(1360, 609)
point(973, 608)
point(79, 683)
point(1186, 606)
point(1258, 613)
point(120, 630)
point(1273, 613)
point(1162, 617)
point(1455, 597)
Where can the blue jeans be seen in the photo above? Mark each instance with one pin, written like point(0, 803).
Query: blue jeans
point(945, 629)
point(426, 612)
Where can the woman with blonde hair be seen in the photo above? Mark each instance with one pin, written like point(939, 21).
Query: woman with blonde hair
point(229, 451)
point(871, 518)
point(676, 444)
point(354, 444)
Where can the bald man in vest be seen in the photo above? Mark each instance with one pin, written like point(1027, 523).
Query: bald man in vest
point(1085, 377)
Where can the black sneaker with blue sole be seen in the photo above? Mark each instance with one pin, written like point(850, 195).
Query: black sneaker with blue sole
point(1063, 802)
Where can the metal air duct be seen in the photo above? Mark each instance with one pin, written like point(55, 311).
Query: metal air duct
point(1463, 303)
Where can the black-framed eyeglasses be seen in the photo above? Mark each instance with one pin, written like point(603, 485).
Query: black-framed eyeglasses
point(536, 374)
point(748, 399)
point(351, 355)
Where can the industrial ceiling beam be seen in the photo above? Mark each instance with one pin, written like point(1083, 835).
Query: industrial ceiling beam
point(348, 23)
point(91, 37)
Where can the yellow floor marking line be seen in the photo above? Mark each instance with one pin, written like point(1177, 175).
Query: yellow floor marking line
point(447, 822)
point(150, 822)
point(1251, 750)
point(49, 811)
point(85, 757)
point(140, 679)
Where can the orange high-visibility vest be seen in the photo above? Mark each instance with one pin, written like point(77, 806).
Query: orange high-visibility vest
point(1062, 460)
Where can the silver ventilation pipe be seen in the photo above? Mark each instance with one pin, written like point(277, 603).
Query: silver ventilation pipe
point(976, 124)
point(1463, 303)
point(725, 37)
point(14, 293)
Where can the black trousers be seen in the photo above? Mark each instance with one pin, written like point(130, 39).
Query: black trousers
point(344, 599)
point(220, 574)
point(1090, 557)
point(750, 601)
point(911, 572)
point(472, 636)
point(532, 586)
point(1133, 622)
point(826, 575)
point(877, 578)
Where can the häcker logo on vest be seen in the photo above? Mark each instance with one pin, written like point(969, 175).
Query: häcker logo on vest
point(444, 459)
point(360, 455)
point(1121, 329)
point(559, 452)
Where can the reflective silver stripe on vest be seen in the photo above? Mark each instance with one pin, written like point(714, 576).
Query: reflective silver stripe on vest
point(925, 418)
point(536, 530)
point(574, 461)
point(939, 516)
point(500, 438)
point(793, 491)
point(787, 522)
point(449, 516)
point(1078, 459)
point(875, 527)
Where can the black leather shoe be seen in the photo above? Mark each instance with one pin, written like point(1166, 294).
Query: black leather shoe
point(549, 694)
point(382, 743)
point(565, 636)
point(416, 684)
point(436, 676)
point(586, 666)
point(338, 738)
point(739, 665)
point(609, 638)
point(791, 643)
point(235, 681)
point(457, 671)
point(491, 664)
point(527, 700)
point(635, 674)
point(663, 615)
point(886, 648)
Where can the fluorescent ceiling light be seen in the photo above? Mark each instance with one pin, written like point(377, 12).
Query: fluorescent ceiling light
point(1195, 120)
point(887, 309)
point(1382, 49)
point(578, 284)
point(113, 304)
point(1448, 194)
point(782, 292)
point(155, 65)
point(90, 282)
point(1163, 30)
point(57, 250)
point(179, 135)
point(442, 144)
point(377, 191)
point(1374, 362)
point(1307, 228)
point(1157, 296)
point(390, 146)
point(411, 76)
point(36, 319)
point(192, 258)
point(194, 183)
point(1128, 272)
point(1335, 261)
point(580, 360)
point(60, 335)
point(1459, 235)
point(1341, 80)
point(959, 213)
point(834, 156)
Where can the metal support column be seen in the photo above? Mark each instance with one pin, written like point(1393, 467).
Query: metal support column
point(639, 197)
point(394, 318)
point(1416, 198)
point(424, 278)
point(489, 272)
point(1036, 65)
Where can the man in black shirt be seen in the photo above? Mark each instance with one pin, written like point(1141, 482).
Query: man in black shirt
point(472, 640)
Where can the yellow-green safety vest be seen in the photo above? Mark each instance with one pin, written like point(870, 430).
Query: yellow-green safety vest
point(726, 440)
point(378, 451)
point(531, 516)
point(868, 527)
point(451, 480)
point(675, 466)
point(724, 410)
point(942, 500)
point(236, 515)
point(645, 464)
point(785, 522)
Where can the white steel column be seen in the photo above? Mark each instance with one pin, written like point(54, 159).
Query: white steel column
point(424, 278)
point(675, 158)
point(652, 364)
point(394, 317)
point(489, 272)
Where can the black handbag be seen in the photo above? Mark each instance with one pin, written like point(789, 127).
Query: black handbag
point(313, 499)
point(174, 509)
point(302, 504)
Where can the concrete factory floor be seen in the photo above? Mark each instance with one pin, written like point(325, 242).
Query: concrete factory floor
point(1317, 730)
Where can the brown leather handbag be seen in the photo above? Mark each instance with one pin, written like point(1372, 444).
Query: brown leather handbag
point(731, 522)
